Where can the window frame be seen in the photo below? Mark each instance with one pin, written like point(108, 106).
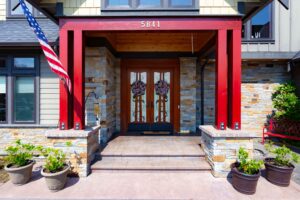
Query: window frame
point(35, 12)
point(11, 73)
point(135, 6)
point(248, 29)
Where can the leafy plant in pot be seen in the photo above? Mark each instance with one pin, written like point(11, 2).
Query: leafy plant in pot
point(20, 162)
point(245, 173)
point(55, 169)
point(279, 169)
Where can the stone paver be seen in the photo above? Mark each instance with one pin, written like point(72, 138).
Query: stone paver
point(147, 185)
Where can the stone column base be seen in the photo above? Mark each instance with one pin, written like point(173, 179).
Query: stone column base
point(81, 152)
point(221, 147)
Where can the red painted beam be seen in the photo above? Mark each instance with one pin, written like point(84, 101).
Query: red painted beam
point(150, 24)
point(78, 76)
point(221, 80)
point(235, 73)
point(64, 100)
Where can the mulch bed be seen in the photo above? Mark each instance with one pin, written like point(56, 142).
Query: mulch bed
point(3, 175)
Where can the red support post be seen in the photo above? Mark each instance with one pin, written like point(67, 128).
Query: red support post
point(78, 76)
point(235, 73)
point(221, 80)
point(64, 100)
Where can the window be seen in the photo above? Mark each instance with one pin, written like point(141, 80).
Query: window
point(18, 12)
point(18, 90)
point(2, 63)
point(2, 99)
point(24, 99)
point(25, 63)
point(259, 27)
point(149, 4)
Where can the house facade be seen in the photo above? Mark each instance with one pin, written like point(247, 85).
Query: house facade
point(144, 66)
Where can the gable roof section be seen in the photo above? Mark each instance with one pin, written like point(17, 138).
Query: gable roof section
point(18, 32)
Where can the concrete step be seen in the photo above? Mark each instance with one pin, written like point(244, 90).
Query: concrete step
point(152, 164)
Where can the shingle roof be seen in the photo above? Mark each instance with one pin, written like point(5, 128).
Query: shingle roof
point(18, 31)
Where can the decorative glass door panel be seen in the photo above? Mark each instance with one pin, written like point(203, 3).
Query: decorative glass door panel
point(138, 97)
point(149, 95)
point(162, 96)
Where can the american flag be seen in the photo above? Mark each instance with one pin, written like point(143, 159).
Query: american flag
point(51, 56)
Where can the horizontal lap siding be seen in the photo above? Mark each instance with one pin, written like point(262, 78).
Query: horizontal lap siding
point(2, 10)
point(49, 95)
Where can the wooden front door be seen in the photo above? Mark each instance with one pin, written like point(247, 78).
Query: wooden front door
point(150, 92)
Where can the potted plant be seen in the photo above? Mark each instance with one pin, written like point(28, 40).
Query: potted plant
point(245, 173)
point(55, 169)
point(279, 169)
point(20, 162)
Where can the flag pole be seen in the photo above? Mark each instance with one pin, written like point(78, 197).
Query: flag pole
point(14, 8)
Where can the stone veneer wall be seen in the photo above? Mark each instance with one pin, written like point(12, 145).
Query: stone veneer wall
point(80, 154)
point(221, 147)
point(188, 86)
point(100, 72)
point(258, 84)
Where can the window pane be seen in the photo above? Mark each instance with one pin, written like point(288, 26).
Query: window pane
point(261, 23)
point(18, 10)
point(24, 62)
point(2, 98)
point(24, 99)
point(118, 2)
point(181, 2)
point(150, 3)
point(2, 63)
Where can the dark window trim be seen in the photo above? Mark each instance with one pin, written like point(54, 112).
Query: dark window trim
point(6, 100)
point(248, 39)
point(35, 12)
point(10, 72)
point(134, 5)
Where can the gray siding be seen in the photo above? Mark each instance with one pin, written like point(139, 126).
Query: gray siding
point(49, 95)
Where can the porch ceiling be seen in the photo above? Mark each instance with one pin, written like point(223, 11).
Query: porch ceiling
point(155, 41)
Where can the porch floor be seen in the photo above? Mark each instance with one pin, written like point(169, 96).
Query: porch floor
point(147, 185)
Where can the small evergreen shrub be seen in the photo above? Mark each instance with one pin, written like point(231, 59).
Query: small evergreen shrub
point(246, 165)
point(286, 102)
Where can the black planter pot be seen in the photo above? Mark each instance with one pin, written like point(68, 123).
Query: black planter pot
point(244, 183)
point(278, 175)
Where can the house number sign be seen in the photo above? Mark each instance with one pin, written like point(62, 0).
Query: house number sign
point(150, 24)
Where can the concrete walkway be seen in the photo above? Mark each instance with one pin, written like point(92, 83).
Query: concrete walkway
point(147, 185)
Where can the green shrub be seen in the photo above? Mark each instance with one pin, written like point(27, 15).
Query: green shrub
point(283, 155)
point(55, 159)
point(246, 165)
point(286, 102)
point(19, 154)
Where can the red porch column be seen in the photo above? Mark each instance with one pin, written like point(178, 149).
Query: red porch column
point(235, 79)
point(65, 99)
point(221, 80)
point(78, 76)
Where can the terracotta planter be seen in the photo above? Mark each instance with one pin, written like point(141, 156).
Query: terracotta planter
point(244, 183)
point(56, 181)
point(20, 175)
point(278, 175)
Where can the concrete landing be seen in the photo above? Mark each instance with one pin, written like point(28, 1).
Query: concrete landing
point(154, 146)
point(152, 153)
